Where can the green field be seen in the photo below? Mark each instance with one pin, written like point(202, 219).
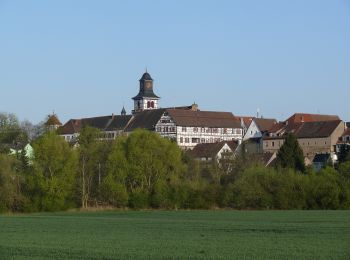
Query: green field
point(177, 234)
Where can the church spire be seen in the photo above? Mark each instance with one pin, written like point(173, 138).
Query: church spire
point(145, 99)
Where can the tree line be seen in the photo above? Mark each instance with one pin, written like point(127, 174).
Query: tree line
point(143, 170)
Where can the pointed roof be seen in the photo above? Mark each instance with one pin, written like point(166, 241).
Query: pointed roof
point(145, 92)
point(210, 150)
point(265, 124)
point(53, 120)
point(146, 76)
point(123, 112)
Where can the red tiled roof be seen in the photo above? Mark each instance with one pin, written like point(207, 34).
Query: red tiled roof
point(265, 124)
point(304, 117)
point(246, 119)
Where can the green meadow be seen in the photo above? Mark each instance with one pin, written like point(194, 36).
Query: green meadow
point(177, 235)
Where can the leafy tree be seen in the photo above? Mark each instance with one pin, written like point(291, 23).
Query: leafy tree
point(11, 132)
point(54, 168)
point(290, 155)
point(93, 154)
point(11, 185)
point(143, 162)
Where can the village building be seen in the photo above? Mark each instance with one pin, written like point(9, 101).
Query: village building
point(313, 137)
point(343, 143)
point(258, 128)
point(215, 151)
point(186, 125)
point(52, 123)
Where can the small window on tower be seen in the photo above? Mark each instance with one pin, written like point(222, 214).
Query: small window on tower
point(152, 104)
point(148, 104)
point(138, 104)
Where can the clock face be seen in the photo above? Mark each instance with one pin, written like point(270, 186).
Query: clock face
point(148, 85)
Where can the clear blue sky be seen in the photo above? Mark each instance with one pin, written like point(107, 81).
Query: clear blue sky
point(84, 58)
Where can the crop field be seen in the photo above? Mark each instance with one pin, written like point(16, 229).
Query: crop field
point(177, 235)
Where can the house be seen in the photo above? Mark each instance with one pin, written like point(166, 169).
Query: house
point(304, 117)
point(28, 151)
point(191, 127)
point(111, 126)
point(343, 144)
point(245, 122)
point(258, 128)
point(214, 151)
point(313, 137)
point(52, 123)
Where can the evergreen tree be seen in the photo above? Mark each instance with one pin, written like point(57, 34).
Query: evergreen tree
point(290, 154)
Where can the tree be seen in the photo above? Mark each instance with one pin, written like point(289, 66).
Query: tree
point(93, 154)
point(290, 154)
point(54, 168)
point(144, 162)
point(11, 132)
point(11, 181)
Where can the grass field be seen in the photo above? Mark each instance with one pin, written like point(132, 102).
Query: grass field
point(180, 234)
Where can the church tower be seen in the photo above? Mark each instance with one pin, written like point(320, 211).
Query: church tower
point(145, 99)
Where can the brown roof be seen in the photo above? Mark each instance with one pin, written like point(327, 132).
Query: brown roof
point(317, 129)
point(104, 123)
point(146, 120)
point(246, 119)
point(53, 120)
point(310, 129)
point(265, 124)
point(303, 117)
point(210, 150)
point(204, 118)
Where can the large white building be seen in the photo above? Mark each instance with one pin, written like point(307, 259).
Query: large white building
point(188, 126)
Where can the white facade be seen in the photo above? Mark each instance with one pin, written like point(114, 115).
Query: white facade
point(187, 137)
point(145, 104)
point(253, 131)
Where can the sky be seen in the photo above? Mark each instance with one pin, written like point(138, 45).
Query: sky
point(84, 58)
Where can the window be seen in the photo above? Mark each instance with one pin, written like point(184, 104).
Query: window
point(202, 129)
point(181, 139)
point(184, 129)
point(195, 140)
point(225, 130)
point(187, 140)
point(166, 129)
point(195, 129)
point(152, 104)
point(203, 140)
point(138, 104)
point(148, 104)
point(273, 144)
point(267, 144)
point(348, 138)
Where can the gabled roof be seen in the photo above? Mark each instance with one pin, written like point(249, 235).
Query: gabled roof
point(204, 118)
point(145, 119)
point(309, 129)
point(304, 117)
point(210, 150)
point(265, 124)
point(104, 123)
point(317, 129)
point(118, 122)
point(52, 120)
point(246, 119)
